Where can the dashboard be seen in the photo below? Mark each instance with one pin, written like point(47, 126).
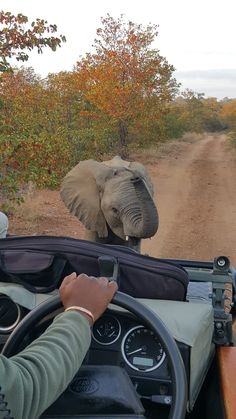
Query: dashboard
point(120, 339)
point(10, 316)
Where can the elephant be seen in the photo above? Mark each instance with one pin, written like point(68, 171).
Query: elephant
point(113, 199)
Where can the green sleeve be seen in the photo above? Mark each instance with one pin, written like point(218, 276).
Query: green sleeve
point(32, 380)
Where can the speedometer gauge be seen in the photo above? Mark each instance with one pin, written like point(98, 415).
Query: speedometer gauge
point(142, 350)
point(106, 330)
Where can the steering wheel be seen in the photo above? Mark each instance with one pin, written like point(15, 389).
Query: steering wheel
point(151, 320)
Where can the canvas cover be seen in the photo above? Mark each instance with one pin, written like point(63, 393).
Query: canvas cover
point(40, 264)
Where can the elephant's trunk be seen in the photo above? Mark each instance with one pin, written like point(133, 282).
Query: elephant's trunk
point(143, 219)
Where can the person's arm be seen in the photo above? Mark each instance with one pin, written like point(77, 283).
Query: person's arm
point(34, 379)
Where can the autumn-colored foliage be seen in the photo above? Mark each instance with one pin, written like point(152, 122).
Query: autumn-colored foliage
point(121, 96)
point(17, 36)
point(228, 113)
point(191, 111)
point(19, 100)
point(125, 81)
point(33, 139)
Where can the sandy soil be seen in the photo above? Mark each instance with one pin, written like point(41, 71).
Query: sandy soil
point(195, 193)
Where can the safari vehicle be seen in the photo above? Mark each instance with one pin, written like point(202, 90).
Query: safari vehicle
point(149, 358)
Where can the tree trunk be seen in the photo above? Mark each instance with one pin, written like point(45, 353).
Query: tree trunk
point(123, 135)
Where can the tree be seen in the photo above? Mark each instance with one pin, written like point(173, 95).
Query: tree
point(17, 36)
point(228, 112)
point(19, 93)
point(212, 120)
point(125, 80)
point(36, 131)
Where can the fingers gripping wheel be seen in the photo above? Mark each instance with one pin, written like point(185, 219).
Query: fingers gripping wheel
point(179, 382)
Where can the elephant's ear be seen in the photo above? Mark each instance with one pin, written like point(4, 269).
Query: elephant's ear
point(140, 169)
point(80, 194)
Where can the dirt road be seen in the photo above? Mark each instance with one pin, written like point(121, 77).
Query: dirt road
point(196, 195)
point(195, 192)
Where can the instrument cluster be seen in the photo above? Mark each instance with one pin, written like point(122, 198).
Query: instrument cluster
point(140, 348)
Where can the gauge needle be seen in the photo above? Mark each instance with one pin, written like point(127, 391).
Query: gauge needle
point(134, 352)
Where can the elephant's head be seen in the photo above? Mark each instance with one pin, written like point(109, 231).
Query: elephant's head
point(114, 195)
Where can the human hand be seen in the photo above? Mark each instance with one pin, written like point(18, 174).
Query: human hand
point(93, 294)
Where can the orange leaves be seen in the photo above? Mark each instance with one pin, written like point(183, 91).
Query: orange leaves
point(17, 36)
point(36, 138)
point(114, 96)
point(229, 111)
point(125, 74)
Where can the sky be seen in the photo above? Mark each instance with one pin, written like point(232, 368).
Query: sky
point(197, 37)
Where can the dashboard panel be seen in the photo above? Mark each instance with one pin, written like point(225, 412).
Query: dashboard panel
point(11, 314)
point(118, 338)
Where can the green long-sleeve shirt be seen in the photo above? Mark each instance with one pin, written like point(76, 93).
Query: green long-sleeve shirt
point(32, 380)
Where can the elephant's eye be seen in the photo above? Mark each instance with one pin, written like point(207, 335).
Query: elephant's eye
point(114, 210)
point(115, 172)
